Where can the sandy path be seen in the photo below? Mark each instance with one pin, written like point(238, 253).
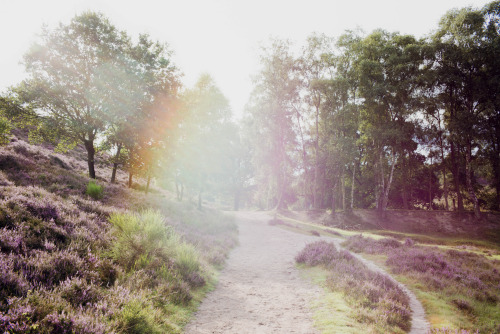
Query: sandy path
point(260, 289)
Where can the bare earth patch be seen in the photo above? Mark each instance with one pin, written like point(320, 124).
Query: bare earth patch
point(260, 289)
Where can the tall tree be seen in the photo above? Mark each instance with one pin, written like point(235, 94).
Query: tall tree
point(272, 110)
point(70, 77)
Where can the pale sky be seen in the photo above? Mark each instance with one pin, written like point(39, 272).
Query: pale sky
point(219, 37)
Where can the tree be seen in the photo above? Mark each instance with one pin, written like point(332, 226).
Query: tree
point(388, 66)
point(460, 63)
point(202, 149)
point(272, 111)
point(70, 77)
point(145, 100)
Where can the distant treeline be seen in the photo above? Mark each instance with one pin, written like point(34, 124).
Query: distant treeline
point(381, 120)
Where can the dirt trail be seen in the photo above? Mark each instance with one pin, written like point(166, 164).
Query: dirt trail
point(260, 289)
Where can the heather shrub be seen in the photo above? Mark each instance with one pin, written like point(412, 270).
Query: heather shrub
point(361, 244)
point(78, 292)
point(317, 253)
point(48, 269)
point(94, 190)
point(378, 300)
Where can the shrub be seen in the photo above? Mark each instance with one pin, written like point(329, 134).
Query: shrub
point(376, 297)
point(94, 190)
point(78, 292)
point(137, 318)
point(358, 244)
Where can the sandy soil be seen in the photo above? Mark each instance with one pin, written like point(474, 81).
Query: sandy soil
point(260, 289)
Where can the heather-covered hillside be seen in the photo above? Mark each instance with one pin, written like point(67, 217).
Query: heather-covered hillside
point(126, 263)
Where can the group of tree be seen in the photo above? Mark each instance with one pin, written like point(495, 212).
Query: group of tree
point(92, 85)
point(381, 120)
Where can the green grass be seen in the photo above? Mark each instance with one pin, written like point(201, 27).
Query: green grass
point(94, 190)
point(440, 305)
point(331, 312)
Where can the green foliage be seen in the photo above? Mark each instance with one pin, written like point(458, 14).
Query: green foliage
point(94, 190)
point(144, 240)
point(137, 317)
point(5, 128)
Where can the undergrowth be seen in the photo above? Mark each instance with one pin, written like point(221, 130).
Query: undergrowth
point(467, 283)
point(121, 262)
point(376, 300)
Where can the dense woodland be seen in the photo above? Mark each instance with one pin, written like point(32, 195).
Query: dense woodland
point(379, 120)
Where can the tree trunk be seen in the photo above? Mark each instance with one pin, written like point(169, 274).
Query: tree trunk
point(445, 180)
point(334, 194)
point(343, 192)
point(147, 184)
point(179, 189)
point(89, 146)
point(115, 163)
point(130, 175)
point(385, 199)
point(430, 187)
point(456, 177)
point(468, 177)
point(405, 186)
point(316, 204)
point(352, 185)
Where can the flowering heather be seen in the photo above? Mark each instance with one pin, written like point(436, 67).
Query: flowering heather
point(378, 300)
point(361, 244)
point(60, 272)
point(467, 281)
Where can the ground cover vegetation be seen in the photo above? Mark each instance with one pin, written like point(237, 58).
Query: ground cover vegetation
point(375, 300)
point(458, 287)
point(125, 262)
point(81, 253)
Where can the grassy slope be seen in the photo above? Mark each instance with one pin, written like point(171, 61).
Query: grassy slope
point(59, 269)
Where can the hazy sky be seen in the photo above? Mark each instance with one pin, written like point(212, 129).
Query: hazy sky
point(219, 37)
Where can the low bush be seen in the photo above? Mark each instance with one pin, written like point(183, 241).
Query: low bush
point(361, 244)
point(376, 299)
point(466, 281)
point(94, 190)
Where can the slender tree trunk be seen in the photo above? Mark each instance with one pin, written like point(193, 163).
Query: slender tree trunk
point(334, 195)
point(445, 179)
point(115, 163)
point(405, 185)
point(468, 177)
point(130, 175)
point(179, 189)
point(89, 146)
point(430, 187)
point(377, 185)
point(316, 204)
point(456, 176)
point(352, 185)
point(389, 182)
point(147, 184)
point(342, 184)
